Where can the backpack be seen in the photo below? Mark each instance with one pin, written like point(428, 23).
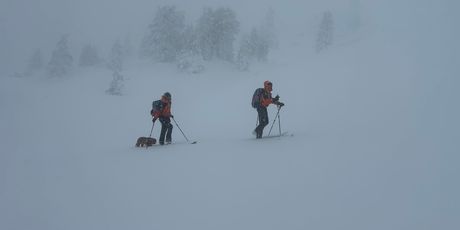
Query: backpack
point(257, 97)
point(157, 106)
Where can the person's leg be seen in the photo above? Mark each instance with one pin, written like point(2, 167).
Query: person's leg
point(164, 128)
point(169, 129)
point(263, 121)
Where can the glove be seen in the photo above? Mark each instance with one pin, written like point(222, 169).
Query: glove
point(280, 104)
point(154, 119)
point(172, 116)
point(277, 98)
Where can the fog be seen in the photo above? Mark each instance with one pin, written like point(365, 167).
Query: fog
point(373, 121)
point(27, 25)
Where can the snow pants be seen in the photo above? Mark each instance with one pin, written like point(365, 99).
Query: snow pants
point(263, 121)
point(166, 130)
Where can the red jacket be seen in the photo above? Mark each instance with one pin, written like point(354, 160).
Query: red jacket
point(161, 108)
point(266, 99)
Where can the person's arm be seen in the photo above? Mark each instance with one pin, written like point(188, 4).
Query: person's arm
point(276, 101)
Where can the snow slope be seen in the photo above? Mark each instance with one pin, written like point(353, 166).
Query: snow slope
point(375, 144)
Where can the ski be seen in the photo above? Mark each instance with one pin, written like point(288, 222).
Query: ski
point(157, 145)
point(178, 143)
point(283, 134)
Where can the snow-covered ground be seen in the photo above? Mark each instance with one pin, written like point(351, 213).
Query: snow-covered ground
point(375, 145)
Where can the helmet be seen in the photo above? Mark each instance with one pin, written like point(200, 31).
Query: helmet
point(268, 86)
point(167, 95)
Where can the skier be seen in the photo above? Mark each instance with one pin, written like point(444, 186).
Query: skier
point(161, 109)
point(261, 99)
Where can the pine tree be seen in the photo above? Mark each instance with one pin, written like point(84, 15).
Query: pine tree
point(116, 85)
point(89, 56)
point(252, 47)
point(190, 61)
point(206, 39)
point(163, 41)
point(217, 30)
point(190, 46)
point(325, 34)
point(259, 45)
point(115, 62)
point(61, 59)
point(245, 54)
point(268, 29)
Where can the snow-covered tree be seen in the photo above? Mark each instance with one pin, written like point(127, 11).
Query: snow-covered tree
point(89, 56)
point(35, 62)
point(163, 40)
point(259, 44)
point(61, 59)
point(190, 46)
point(205, 34)
point(252, 47)
point(217, 30)
point(190, 61)
point(325, 34)
point(116, 85)
point(268, 29)
point(245, 54)
point(115, 62)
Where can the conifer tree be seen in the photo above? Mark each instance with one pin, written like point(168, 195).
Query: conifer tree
point(61, 59)
point(253, 46)
point(115, 62)
point(217, 30)
point(116, 85)
point(268, 29)
point(325, 33)
point(245, 53)
point(163, 41)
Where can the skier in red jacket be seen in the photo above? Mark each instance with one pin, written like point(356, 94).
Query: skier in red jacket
point(261, 100)
point(161, 110)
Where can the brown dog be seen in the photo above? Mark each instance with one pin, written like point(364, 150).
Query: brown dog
point(145, 141)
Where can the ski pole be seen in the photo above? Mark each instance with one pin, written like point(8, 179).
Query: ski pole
point(277, 115)
point(151, 130)
point(279, 122)
point(182, 131)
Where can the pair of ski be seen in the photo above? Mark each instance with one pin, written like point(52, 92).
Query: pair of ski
point(175, 143)
point(277, 117)
point(283, 134)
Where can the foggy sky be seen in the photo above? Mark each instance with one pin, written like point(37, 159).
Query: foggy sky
point(26, 25)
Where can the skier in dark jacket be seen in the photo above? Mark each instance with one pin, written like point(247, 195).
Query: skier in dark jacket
point(261, 100)
point(161, 110)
